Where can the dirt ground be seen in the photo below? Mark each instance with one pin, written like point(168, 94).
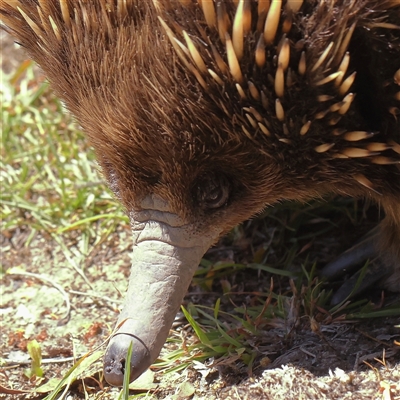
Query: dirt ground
point(303, 365)
point(343, 360)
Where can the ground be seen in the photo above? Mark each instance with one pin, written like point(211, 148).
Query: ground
point(65, 294)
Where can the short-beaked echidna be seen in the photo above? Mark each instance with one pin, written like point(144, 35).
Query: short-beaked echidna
point(203, 112)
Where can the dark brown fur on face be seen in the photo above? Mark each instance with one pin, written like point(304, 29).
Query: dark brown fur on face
point(155, 128)
point(151, 111)
point(263, 101)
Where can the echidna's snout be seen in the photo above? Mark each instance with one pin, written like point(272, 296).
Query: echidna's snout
point(166, 253)
point(115, 359)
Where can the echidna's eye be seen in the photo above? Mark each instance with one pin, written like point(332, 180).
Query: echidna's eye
point(213, 191)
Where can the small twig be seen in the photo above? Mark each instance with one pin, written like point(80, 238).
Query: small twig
point(373, 356)
point(357, 362)
point(308, 352)
point(70, 259)
point(55, 285)
point(44, 361)
point(95, 296)
point(372, 338)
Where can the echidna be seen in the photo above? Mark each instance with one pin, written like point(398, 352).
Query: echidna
point(203, 112)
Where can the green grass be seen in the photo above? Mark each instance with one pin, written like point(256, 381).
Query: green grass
point(50, 184)
point(49, 178)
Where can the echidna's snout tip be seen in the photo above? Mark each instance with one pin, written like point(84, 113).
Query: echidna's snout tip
point(116, 363)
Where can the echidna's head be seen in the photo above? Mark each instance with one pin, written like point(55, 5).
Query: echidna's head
point(204, 112)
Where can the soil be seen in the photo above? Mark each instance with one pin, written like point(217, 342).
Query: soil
point(339, 360)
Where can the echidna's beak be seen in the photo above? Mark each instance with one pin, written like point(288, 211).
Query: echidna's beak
point(165, 258)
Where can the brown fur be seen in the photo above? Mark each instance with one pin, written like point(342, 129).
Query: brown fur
point(155, 128)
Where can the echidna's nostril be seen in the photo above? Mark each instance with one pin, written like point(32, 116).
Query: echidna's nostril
point(114, 372)
point(116, 362)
